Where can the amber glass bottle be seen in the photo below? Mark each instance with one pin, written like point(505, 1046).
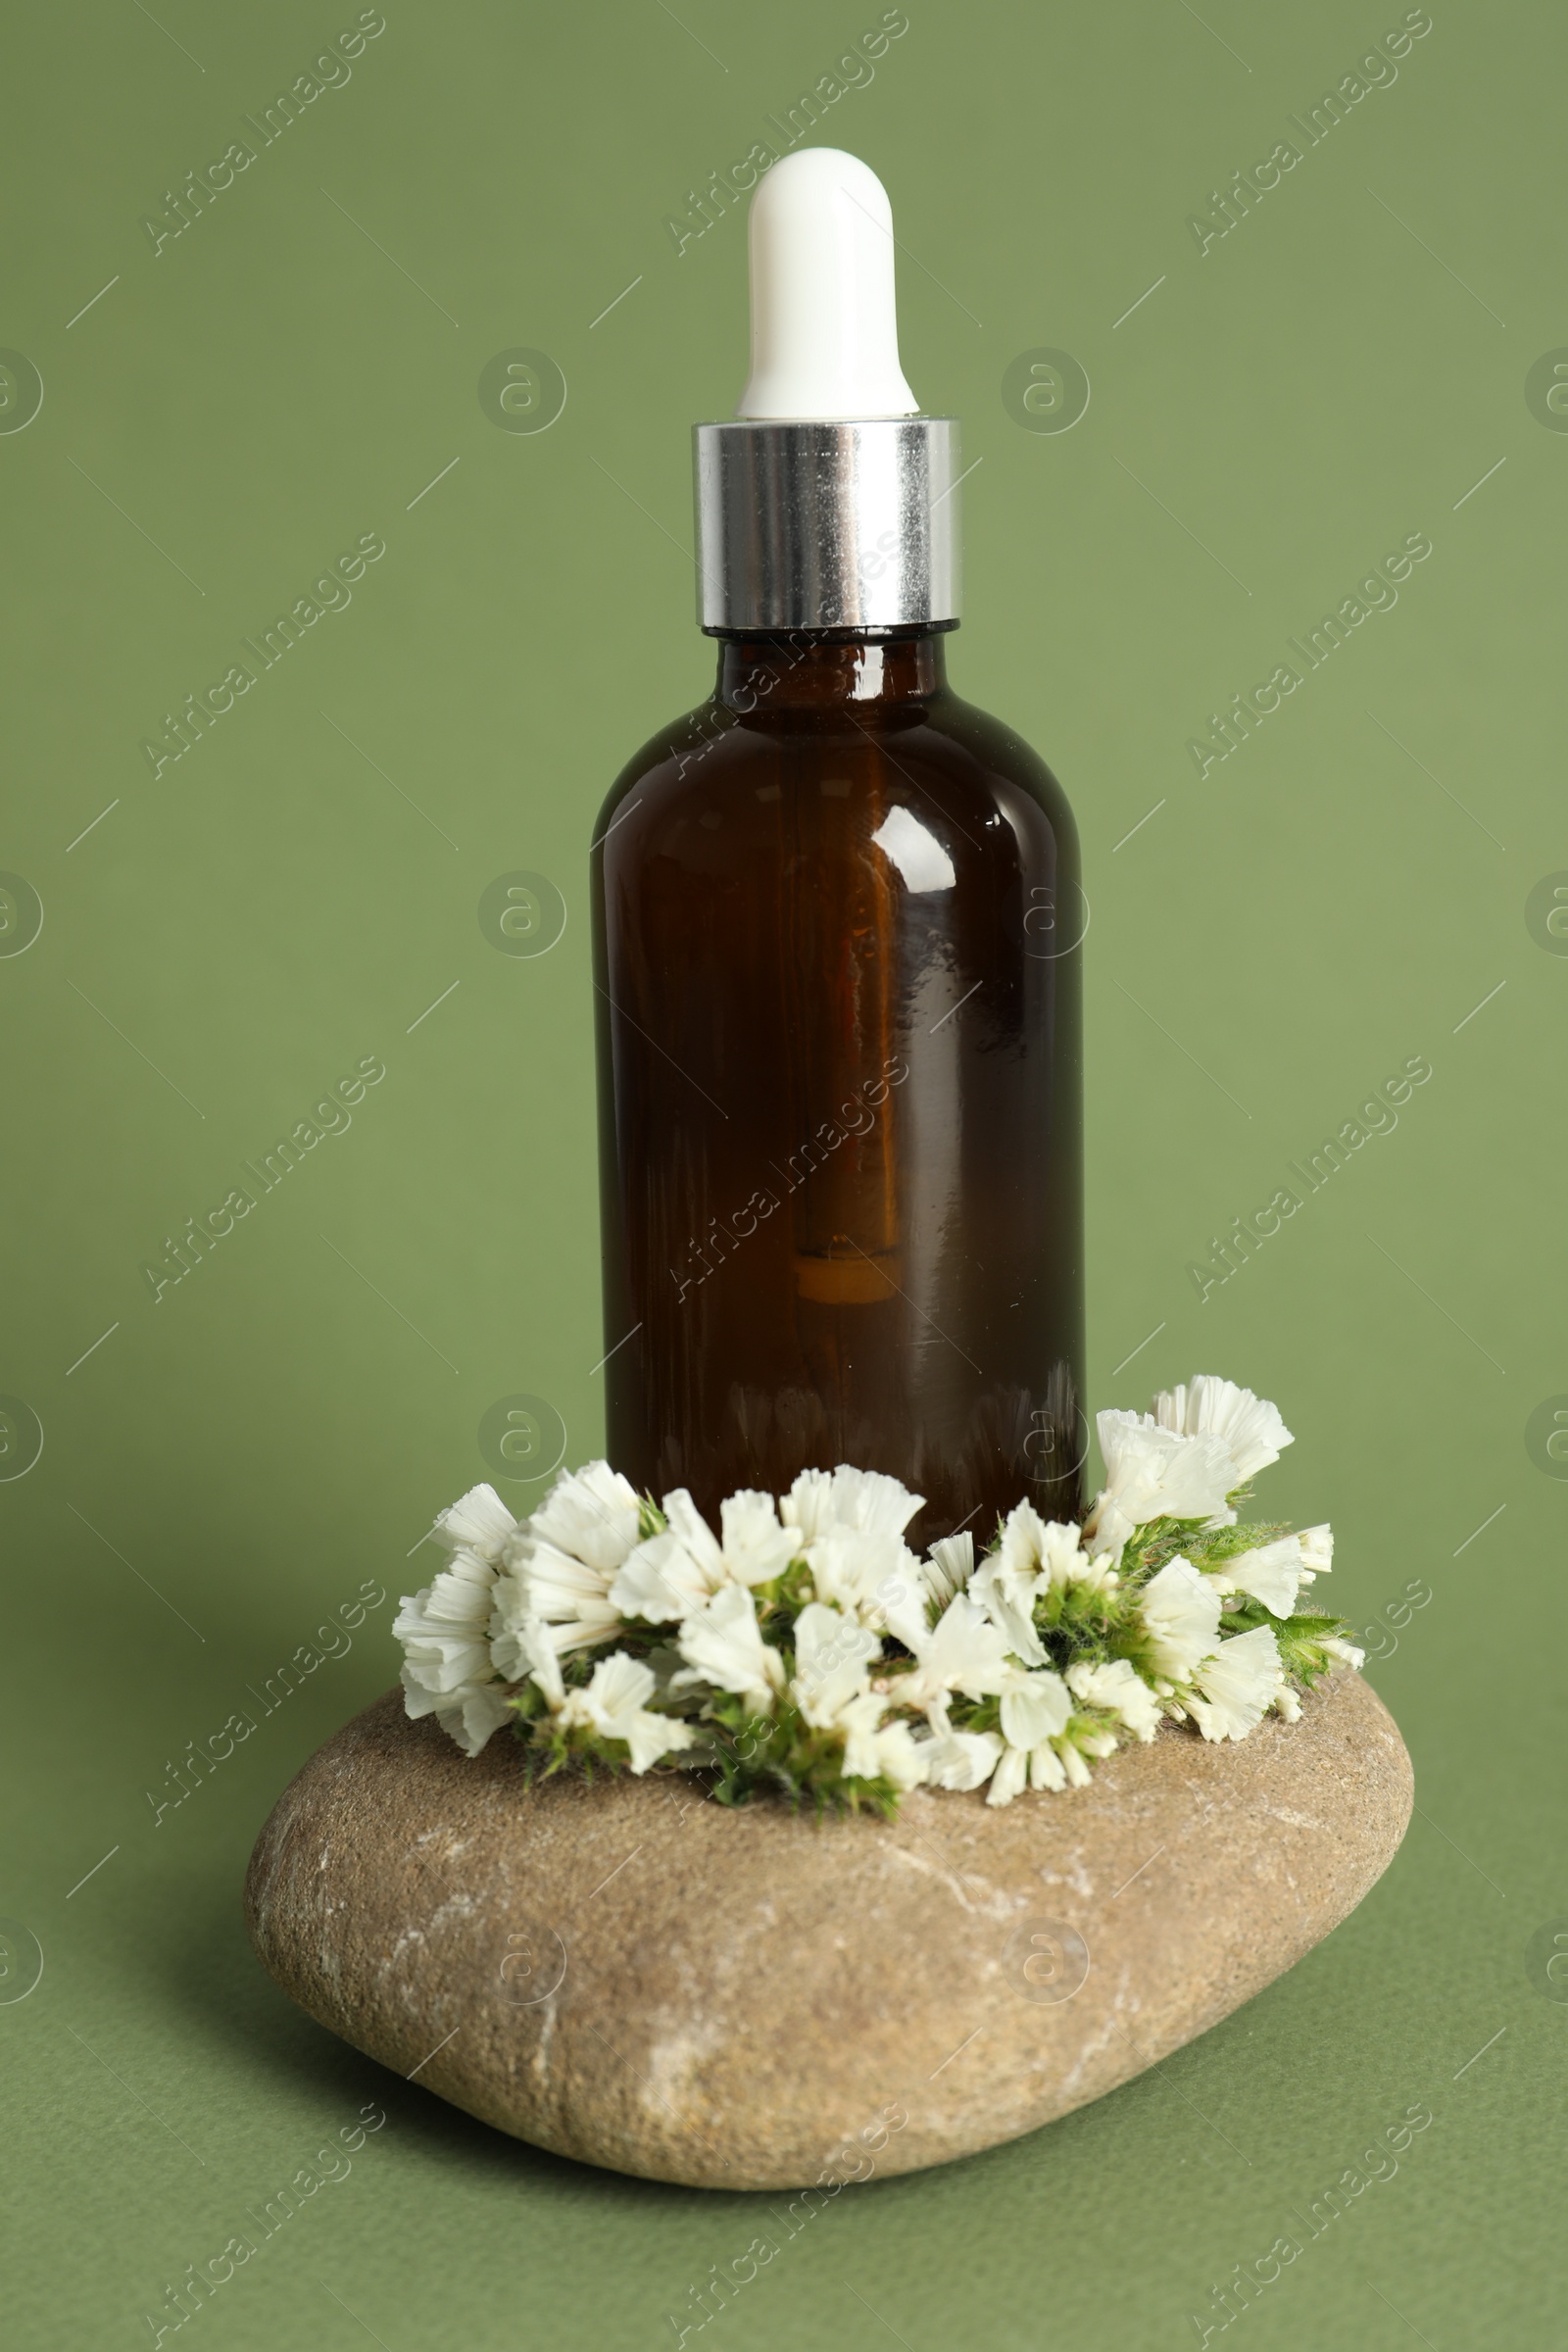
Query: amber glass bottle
point(838, 922)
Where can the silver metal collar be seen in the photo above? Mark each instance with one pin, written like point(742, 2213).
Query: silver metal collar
point(827, 526)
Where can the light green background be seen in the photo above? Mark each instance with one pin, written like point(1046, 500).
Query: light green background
point(1278, 414)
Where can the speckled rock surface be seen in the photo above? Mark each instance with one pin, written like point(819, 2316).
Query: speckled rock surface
point(630, 1975)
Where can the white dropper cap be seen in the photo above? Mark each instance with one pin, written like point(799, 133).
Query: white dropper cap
point(824, 320)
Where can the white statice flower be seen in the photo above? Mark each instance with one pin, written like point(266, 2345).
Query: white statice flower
point(871, 1575)
point(1122, 1689)
point(755, 1547)
point(1249, 1427)
point(1051, 1548)
point(1346, 1652)
point(1010, 1778)
point(962, 1652)
point(959, 1759)
point(1235, 1688)
point(833, 1654)
point(1007, 1595)
point(1181, 1612)
point(1275, 1573)
point(448, 1671)
point(867, 1501)
point(1034, 1707)
point(723, 1647)
point(538, 1656)
point(1096, 1571)
point(591, 1513)
point(479, 1522)
point(950, 1566)
point(1011, 1579)
point(1156, 1473)
point(1033, 1557)
point(880, 1747)
point(547, 1586)
point(1036, 1710)
point(1287, 1704)
point(1271, 1574)
point(848, 1525)
point(558, 1566)
point(831, 1688)
point(1317, 1551)
point(808, 1507)
point(668, 1576)
point(615, 1704)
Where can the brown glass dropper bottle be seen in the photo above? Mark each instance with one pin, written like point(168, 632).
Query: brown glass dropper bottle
point(838, 924)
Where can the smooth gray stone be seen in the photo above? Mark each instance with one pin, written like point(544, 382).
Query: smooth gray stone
point(628, 1974)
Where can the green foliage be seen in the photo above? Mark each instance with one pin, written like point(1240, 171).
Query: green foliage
point(651, 1520)
point(785, 1755)
point(744, 1752)
point(1083, 1622)
point(780, 1601)
point(1300, 1638)
point(1150, 1546)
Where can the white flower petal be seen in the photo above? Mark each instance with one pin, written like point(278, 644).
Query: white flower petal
point(808, 1504)
point(877, 1750)
point(1271, 1574)
point(687, 1523)
point(448, 1669)
point(1034, 1707)
point(1008, 1590)
point(951, 1566)
point(557, 1589)
point(457, 1598)
point(1237, 1686)
point(722, 1646)
point(483, 1710)
point(963, 1651)
point(960, 1759)
point(613, 1704)
point(590, 1513)
point(1317, 1550)
point(523, 1645)
point(480, 1522)
point(1156, 1473)
point(1250, 1428)
point(1346, 1652)
point(1051, 1548)
point(755, 1547)
point(1010, 1777)
point(445, 1630)
point(1181, 1612)
point(660, 1581)
point(445, 1664)
point(873, 1502)
point(1119, 1687)
point(832, 1658)
point(668, 1576)
point(874, 1575)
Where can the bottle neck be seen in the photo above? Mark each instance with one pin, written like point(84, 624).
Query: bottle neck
point(820, 673)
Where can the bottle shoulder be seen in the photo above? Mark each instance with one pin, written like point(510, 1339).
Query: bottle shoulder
point(998, 751)
point(942, 747)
